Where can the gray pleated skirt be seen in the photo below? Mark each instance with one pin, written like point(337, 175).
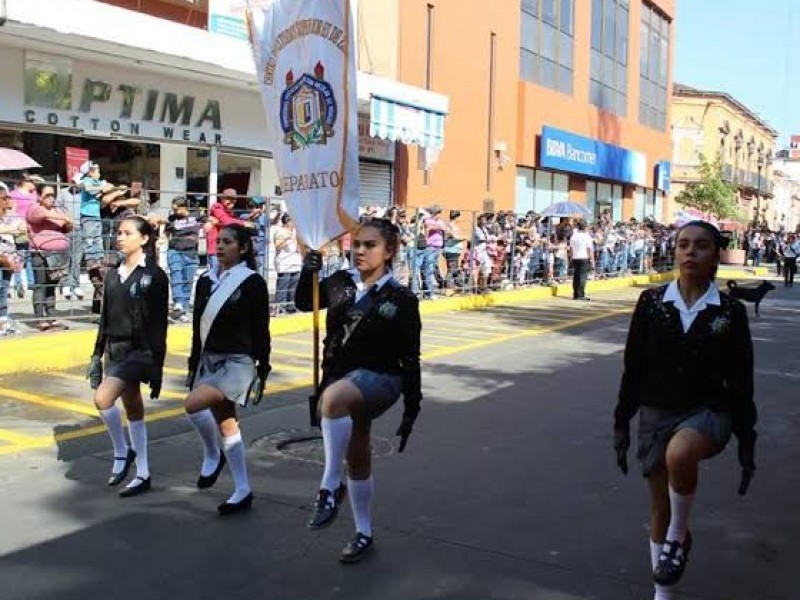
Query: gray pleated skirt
point(125, 362)
point(231, 374)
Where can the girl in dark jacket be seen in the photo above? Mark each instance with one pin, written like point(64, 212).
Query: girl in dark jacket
point(229, 362)
point(133, 337)
point(689, 375)
point(370, 357)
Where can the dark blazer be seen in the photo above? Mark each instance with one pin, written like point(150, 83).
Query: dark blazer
point(136, 310)
point(709, 366)
point(386, 340)
point(241, 325)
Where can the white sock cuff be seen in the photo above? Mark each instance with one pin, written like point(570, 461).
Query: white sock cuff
point(360, 483)
point(109, 412)
point(675, 496)
point(136, 425)
point(230, 441)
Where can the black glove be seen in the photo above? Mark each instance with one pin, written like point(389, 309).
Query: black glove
point(406, 426)
point(312, 261)
point(94, 373)
point(190, 376)
point(747, 453)
point(155, 385)
point(622, 441)
point(263, 371)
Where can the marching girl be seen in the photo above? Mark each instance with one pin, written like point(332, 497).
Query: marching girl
point(133, 338)
point(370, 357)
point(689, 374)
point(229, 362)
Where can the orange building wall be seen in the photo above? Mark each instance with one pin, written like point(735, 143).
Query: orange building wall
point(540, 106)
point(461, 42)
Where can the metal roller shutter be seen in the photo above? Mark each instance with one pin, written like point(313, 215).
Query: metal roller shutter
point(376, 183)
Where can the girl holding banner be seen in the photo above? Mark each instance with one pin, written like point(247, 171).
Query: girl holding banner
point(133, 337)
point(229, 362)
point(371, 357)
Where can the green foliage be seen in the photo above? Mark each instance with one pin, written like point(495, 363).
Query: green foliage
point(712, 195)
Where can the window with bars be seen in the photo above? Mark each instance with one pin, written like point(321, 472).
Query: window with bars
point(608, 75)
point(546, 43)
point(653, 69)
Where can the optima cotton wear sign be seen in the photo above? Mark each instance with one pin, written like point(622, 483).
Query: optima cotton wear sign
point(305, 60)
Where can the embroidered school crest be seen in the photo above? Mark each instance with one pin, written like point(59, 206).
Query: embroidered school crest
point(720, 325)
point(387, 310)
point(308, 109)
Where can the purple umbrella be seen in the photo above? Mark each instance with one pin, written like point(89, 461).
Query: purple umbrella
point(14, 160)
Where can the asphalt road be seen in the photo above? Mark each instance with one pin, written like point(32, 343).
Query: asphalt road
point(508, 489)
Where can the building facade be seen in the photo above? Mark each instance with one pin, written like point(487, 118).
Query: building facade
point(786, 190)
point(712, 123)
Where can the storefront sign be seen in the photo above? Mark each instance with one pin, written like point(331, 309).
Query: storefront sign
point(372, 147)
point(75, 157)
point(663, 175)
point(226, 17)
point(564, 151)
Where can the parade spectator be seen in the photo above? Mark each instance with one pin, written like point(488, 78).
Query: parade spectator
point(435, 231)
point(10, 261)
point(453, 249)
point(229, 361)
point(790, 251)
point(48, 227)
point(582, 253)
point(183, 235)
point(69, 201)
point(688, 372)
point(23, 196)
point(288, 263)
point(220, 215)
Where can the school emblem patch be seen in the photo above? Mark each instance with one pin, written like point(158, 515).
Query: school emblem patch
point(308, 109)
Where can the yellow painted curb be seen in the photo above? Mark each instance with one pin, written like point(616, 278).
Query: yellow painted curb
point(70, 349)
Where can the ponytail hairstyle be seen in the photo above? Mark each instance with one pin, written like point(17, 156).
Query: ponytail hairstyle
point(390, 234)
point(244, 237)
point(144, 227)
point(720, 243)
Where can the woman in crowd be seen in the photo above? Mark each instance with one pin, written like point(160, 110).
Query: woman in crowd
point(133, 337)
point(288, 263)
point(10, 260)
point(689, 374)
point(48, 227)
point(371, 356)
point(229, 361)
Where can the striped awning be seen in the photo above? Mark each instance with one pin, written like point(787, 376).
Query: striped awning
point(390, 119)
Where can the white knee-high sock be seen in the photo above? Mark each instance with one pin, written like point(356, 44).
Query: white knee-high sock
point(112, 417)
point(336, 437)
point(138, 431)
point(680, 506)
point(206, 426)
point(361, 492)
point(234, 450)
point(662, 592)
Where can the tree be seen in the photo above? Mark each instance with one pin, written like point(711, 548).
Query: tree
point(712, 195)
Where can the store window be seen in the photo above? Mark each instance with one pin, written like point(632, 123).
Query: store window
point(608, 84)
point(653, 69)
point(646, 204)
point(537, 189)
point(605, 198)
point(547, 44)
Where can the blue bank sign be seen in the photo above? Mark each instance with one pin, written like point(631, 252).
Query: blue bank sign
point(663, 175)
point(565, 151)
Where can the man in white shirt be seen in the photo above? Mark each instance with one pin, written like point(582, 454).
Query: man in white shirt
point(581, 247)
point(791, 250)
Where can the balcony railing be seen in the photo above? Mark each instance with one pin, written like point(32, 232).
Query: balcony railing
point(748, 179)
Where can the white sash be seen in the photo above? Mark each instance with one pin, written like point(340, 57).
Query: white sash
point(219, 297)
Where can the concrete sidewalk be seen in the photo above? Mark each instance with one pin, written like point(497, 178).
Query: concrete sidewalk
point(68, 349)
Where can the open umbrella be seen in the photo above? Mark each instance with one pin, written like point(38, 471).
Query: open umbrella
point(14, 160)
point(566, 209)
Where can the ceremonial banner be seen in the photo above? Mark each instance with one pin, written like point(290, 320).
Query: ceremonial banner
point(305, 63)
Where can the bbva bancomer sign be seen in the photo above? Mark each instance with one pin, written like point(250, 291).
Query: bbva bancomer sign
point(135, 111)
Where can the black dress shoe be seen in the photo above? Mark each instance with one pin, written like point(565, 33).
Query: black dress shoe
point(326, 507)
point(138, 486)
point(117, 478)
point(206, 481)
point(356, 549)
point(231, 508)
point(672, 561)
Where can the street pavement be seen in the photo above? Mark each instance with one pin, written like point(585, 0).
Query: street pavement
point(508, 488)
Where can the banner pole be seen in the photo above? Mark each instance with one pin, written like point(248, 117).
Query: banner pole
point(314, 405)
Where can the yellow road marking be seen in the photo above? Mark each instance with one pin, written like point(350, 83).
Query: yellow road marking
point(15, 438)
point(302, 342)
point(46, 441)
point(164, 393)
point(50, 402)
point(307, 355)
point(438, 336)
